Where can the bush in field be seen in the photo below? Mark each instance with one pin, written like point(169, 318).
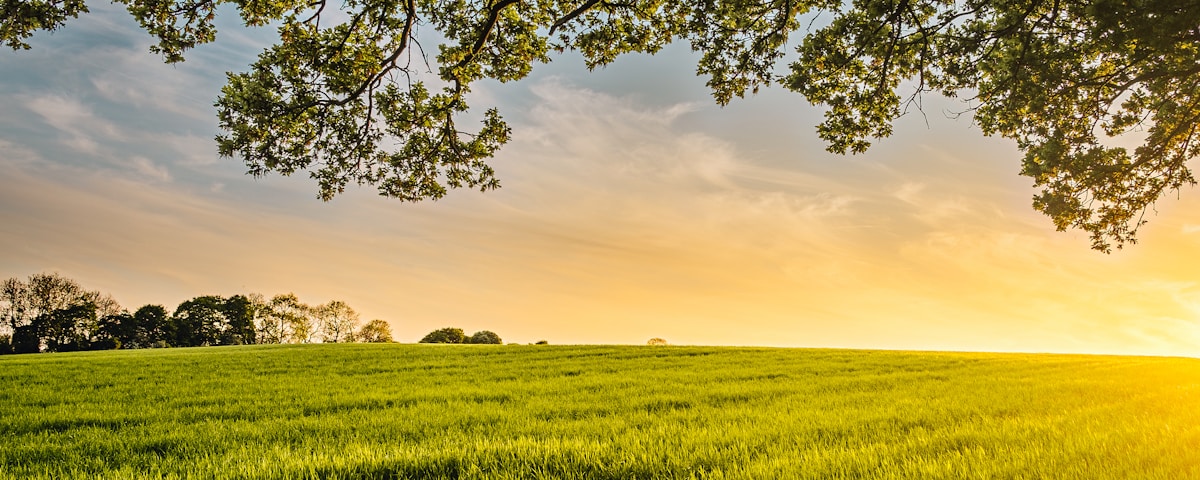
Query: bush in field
point(656, 341)
point(445, 335)
point(542, 342)
point(375, 331)
point(485, 337)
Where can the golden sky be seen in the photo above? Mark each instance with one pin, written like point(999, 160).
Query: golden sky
point(632, 208)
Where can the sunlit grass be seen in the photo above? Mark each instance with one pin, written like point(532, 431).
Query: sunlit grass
point(431, 411)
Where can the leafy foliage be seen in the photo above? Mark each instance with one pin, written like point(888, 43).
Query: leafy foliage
point(150, 327)
point(456, 335)
point(343, 97)
point(198, 321)
point(210, 320)
point(1060, 78)
point(22, 18)
point(337, 321)
point(25, 339)
point(239, 312)
point(285, 319)
point(484, 337)
point(52, 312)
point(68, 329)
point(375, 331)
point(23, 302)
point(445, 335)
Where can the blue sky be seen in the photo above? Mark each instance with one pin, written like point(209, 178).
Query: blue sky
point(632, 207)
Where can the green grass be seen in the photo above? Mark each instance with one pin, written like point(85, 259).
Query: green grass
point(595, 412)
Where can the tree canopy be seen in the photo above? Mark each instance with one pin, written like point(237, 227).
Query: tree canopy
point(344, 96)
point(444, 335)
point(484, 337)
point(375, 331)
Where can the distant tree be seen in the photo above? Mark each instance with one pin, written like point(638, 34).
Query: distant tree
point(12, 305)
point(198, 322)
point(22, 302)
point(60, 313)
point(106, 305)
point(239, 312)
point(542, 342)
point(5, 344)
point(92, 329)
point(337, 321)
point(287, 320)
point(656, 341)
point(263, 318)
point(375, 331)
point(50, 291)
point(116, 331)
point(25, 339)
point(485, 337)
point(274, 324)
point(445, 335)
point(67, 329)
point(152, 326)
point(98, 333)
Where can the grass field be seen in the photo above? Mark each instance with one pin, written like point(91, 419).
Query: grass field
point(595, 412)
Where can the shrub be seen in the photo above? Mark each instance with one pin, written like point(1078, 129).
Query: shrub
point(485, 337)
point(656, 341)
point(445, 335)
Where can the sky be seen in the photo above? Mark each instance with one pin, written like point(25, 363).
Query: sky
point(632, 207)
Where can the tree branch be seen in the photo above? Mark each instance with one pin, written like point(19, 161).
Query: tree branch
point(486, 31)
point(574, 13)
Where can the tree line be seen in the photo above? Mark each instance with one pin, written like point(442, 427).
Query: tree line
point(456, 335)
point(51, 313)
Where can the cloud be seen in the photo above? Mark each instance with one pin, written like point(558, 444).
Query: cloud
point(101, 141)
point(909, 192)
point(149, 169)
point(72, 118)
point(18, 155)
point(119, 107)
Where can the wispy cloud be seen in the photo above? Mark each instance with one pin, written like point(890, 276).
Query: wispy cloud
point(149, 169)
point(73, 120)
point(18, 155)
